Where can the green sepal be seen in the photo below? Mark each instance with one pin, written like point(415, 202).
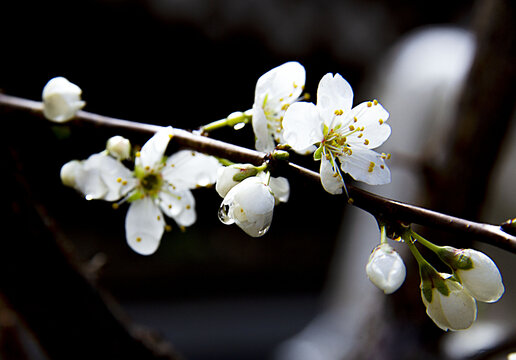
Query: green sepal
point(425, 271)
point(318, 153)
point(245, 173)
point(441, 286)
point(454, 258)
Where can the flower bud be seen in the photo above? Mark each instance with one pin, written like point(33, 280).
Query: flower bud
point(119, 147)
point(69, 172)
point(476, 271)
point(249, 204)
point(61, 100)
point(448, 304)
point(386, 269)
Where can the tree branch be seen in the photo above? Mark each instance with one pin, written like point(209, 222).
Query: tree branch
point(378, 206)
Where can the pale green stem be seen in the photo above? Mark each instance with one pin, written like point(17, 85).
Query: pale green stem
point(436, 249)
point(229, 121)
point(413, 249)
point(383, 235)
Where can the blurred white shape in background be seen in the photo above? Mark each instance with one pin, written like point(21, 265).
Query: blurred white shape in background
point(418, 83)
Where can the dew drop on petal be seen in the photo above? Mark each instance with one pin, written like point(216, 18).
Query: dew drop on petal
point(262, 232)
point(224, 215)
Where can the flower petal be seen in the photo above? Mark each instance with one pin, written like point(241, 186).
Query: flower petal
point(283, 82)
point(103, 177)
point(365, 165)
point(179, 205)
point(484, 280)
point(264, 140)
point(459, 307)
point(188, 169)
point(144, 226)
point(280, 188)
point(331, 179)
point(372, 117)
point(153, 151)
point(333, 93)
point(302, 126)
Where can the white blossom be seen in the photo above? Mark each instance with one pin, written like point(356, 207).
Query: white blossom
point(61, 100)
point(476, 271)
point(448, 303)
point(386, 269)
point(275, 91)
point(343, 134)
point(157, 186)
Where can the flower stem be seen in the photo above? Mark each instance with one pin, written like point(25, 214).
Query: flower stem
point(372, 203)
point(232, 120)
point(407, 238)
point(383, 235)
point(436, 249)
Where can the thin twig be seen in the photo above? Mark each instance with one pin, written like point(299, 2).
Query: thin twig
point(376, 205)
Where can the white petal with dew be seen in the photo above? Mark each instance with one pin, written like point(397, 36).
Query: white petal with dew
point(153, 151)
point(144, 226)
point(188, 169)
point(334, 93)
point(250, 205)
point(366, 165)
point(302, 126)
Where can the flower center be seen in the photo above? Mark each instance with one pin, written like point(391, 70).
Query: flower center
point(151, 183)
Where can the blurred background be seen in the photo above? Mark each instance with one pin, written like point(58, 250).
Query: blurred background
point(299, 292)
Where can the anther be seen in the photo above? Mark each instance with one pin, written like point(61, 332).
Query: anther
point(138, 239)
point(351, 128)
point(366, 142)
point(380, 121)
point(119, 180)
point(369, 104)
point(375, 102)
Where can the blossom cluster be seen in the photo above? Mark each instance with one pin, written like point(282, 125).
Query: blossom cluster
point(341, 137)
point(450, 298)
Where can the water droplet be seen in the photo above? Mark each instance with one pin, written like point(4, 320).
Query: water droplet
point(224, 215)
point(262, 232)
